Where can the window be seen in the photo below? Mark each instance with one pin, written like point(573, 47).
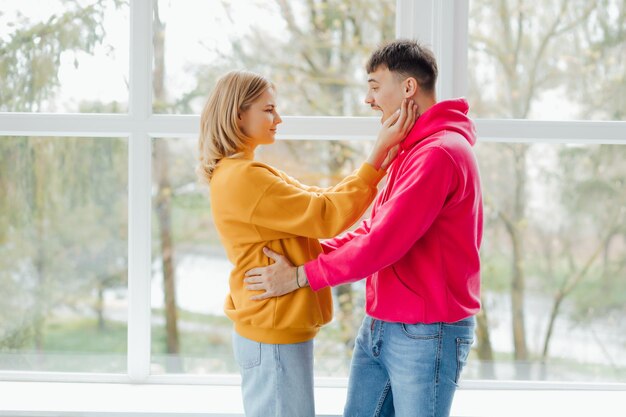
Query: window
point(549, 252)
point(552, 262)
point(62, 56)
point(129, 240)
point(63, 266)
point(547, 62)
point(190, 333)
point(313, 51)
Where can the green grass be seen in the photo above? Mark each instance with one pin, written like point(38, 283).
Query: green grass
point(198, 318)
point(83, 335)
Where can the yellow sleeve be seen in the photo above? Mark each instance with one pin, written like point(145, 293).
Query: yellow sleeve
point(288, 208)
point(296, 183)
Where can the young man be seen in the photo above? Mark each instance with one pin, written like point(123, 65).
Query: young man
point(418, 251)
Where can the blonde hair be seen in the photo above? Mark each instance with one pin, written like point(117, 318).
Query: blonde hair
point(220, 135)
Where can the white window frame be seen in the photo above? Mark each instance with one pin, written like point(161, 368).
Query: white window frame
point(439, 23)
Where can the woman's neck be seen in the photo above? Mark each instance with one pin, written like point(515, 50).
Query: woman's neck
point(247, 153)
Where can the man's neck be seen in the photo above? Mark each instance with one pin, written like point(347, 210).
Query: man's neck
point(424, 102)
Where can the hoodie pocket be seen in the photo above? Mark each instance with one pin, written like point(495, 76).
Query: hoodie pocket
point(400, 302)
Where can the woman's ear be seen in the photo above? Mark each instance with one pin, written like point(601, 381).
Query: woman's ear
point(240, 120)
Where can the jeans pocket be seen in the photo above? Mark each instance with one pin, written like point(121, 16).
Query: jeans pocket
point(421, 331)
point(247, 352)
point(462, 352)
point(468, 322)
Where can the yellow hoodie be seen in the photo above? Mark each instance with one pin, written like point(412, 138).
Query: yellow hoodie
point(255, 205)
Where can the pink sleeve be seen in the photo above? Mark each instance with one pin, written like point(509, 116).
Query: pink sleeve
point(416, 200)
point(330, 245)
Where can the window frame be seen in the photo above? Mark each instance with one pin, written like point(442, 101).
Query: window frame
point(429, 20)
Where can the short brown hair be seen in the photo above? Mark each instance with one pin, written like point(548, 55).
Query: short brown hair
point(407, 58)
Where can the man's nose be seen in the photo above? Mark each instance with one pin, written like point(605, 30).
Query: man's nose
point(369, 99)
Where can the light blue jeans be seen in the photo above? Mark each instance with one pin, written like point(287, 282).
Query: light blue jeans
point(276, 380)
point(407, 370)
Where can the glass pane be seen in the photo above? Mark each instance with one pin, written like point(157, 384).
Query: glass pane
point(200, 339)
point(313, 51)
point(548, 61)
point(553, 252)
point(190, 332)
point(64, 56)
point(63, 250)
point(325, 163)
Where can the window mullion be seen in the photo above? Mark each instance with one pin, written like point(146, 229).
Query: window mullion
point(548, 131)
point(414, 20)
point(442, 26)
point(139, 202)
point(450, 32)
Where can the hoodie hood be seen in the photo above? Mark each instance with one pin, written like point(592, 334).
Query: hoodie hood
point(448, 115)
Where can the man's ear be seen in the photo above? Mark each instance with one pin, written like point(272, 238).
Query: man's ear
point(410, 87)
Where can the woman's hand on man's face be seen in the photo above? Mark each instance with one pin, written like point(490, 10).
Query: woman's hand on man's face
point(398, 125)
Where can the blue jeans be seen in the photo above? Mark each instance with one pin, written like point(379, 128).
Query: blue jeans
point(407, 370)
point(276, 380)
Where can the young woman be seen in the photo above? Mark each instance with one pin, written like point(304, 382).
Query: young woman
point(255, 205)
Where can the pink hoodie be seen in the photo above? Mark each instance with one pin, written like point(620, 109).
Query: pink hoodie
point(419, 249)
